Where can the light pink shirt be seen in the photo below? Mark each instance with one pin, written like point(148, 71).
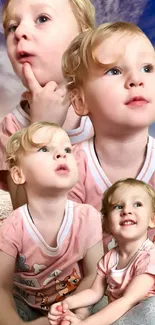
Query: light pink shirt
point(18, 119)
point(118, 280)
point(49, 272)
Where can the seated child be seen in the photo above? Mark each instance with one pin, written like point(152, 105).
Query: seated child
point(110, 72)
point(127, 273)
point(48, 247)
point(37, 34)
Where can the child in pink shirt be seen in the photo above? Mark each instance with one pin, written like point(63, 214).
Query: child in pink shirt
point(127, 273)
point(37, 33)
point(110, 72)
point(48, 247)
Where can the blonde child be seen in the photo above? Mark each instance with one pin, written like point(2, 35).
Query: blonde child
point(37, 33)
point(110, 72)
point(45, 250)
point(126, 273)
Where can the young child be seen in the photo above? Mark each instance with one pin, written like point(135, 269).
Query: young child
point(37, 34)
point(110, 73)
point(126, 273)
point(45, 250)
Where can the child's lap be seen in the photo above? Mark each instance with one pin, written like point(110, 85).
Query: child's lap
point(26, 312)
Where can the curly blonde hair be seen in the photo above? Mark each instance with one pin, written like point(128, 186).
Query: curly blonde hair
point(81, 53)
point(83, 10)
point(108, 195)
point(21, 142)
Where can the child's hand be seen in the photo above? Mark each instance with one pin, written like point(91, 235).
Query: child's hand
point(49, 103)
point(71, 319)
point(57, 313)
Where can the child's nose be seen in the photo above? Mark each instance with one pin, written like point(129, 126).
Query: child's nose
point(22, 31)
point(126, 210)
point(60, 154)
point(134, 80)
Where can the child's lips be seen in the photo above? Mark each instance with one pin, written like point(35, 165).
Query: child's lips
point(137, 101)
point(62, 169)
point(127, 222)
point(24, 57)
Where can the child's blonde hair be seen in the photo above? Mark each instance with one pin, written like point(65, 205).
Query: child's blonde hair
point(83, 10)
point(21, 142)
point(80, 55)
point(108, 195)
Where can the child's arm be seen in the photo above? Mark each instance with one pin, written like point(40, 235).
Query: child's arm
point(90, 261)
point(112, 312)
point(89, 264)
point(82, 299)
point(87, 297)
point(8, 314)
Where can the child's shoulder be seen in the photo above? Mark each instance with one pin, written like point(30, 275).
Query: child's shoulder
point(86, 224)
point(86, 212)
point(13, 223)
point(14, 121)
point(82, 150)
point(84, 208)
point(84, 132)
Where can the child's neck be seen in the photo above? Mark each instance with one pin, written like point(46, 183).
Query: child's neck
point(47, 207)
point(47, 214)
point(122, 156)
point(127, 250)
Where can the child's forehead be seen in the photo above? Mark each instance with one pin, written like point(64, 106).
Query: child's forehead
point(15, 6)
point(50, 134)
point(121, 45)
point(130, 191)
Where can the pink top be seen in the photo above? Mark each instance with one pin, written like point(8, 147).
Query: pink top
point(17, 120)
point(46, 274)
point(118, 280)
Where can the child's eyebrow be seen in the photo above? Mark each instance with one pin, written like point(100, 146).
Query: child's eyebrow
point(41, 6)
point(15, 15)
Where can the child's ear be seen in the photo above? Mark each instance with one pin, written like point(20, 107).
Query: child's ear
point(17, 175)
point(78, 102)
point(152, 221)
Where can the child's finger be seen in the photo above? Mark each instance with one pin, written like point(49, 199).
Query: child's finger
point(32, 82)
point(72, 319)
point(65, 322)
point(64, 306)
point(54, 317)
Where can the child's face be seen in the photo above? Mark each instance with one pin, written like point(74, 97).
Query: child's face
point(52, 165)
point(131, 213)
point(124, 96)
point(40, 31)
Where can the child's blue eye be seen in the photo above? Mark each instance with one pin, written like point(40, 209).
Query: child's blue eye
point(113, 72)
point(42, 19)
point(11, 29)
point(117, 207)
point(68, 150)
point(43, 149)
point(147, 68)
point(137, 204)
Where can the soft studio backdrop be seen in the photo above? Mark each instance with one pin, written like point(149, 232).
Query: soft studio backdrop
point(141, 12)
